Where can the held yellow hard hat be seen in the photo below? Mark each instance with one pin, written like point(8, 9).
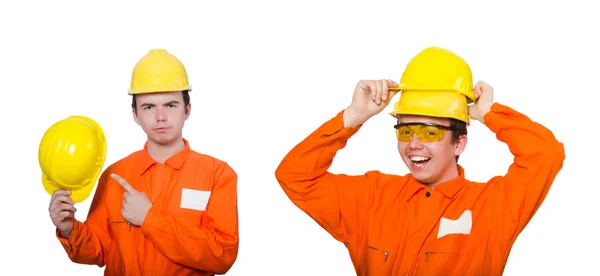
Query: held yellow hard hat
point(437, 69)
point(434, 104)
point(437, 83)
point(71, 155)
point(158, 71)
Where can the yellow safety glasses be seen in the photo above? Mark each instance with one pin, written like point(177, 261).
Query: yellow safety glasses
point(426, 132)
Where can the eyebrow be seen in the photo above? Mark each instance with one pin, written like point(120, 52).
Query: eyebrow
point(165, 104)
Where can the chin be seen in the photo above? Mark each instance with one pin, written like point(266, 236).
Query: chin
point(423, 177)
point(163, 140)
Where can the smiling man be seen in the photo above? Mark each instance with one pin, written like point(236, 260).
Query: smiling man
point(162, 210)
point(432, 221)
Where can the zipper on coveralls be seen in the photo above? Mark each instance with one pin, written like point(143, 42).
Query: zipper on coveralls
point(429, 253)
point(128, 224)
point(384, 253)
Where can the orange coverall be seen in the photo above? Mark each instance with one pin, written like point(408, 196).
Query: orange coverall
point(184, 233)
point(394, 225)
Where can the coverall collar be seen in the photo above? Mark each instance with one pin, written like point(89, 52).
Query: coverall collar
point(176, 161)
point(449, 188)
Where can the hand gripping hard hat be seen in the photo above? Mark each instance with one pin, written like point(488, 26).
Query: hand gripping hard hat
point(158, 71)
point(437, 83)
point(71, 155)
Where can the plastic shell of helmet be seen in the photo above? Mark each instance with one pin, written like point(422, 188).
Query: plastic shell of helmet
point(438, 83)
point(71, 156)
point(158, 71)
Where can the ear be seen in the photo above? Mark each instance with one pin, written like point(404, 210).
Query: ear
point(188, 110)
point(135, 118)
point(460, 145)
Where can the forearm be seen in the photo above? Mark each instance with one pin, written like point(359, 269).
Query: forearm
point(352, 118)
point(538, 157)
point(337, 202)
point(84, 244)
point(307, 163)
point(89, 241)
point(529, 142)
point(212, 248)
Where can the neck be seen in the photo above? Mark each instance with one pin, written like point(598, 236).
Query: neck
point(160, 153)
point(450, 174)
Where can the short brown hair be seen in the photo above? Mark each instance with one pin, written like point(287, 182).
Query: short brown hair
point(459, 128)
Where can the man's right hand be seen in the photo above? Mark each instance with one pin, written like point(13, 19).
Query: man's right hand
point(370, 97)
point(62, 212)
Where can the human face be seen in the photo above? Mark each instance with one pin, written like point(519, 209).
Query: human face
point(431, 162)
point(161, 116)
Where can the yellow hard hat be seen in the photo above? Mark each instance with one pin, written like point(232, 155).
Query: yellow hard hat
point(71, 155)
point(158, 71)
point(436, 82)
point(434, 104)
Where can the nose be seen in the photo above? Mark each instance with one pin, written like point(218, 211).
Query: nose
point(161, 114)
point(415, 143)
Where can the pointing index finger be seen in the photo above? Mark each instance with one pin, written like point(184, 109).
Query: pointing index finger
point(123, 183)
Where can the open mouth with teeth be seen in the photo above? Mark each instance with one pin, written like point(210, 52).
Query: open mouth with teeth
point(419, 161)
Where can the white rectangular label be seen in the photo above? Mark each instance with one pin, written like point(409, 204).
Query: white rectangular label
point(194, 199)
point(460, 226)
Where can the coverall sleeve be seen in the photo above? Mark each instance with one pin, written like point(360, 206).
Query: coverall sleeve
point(90, 240)
point(337, 202)
point(538, 157)
point(212, 244)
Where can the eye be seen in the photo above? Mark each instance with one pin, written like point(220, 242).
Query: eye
point(431, 131)
point(172, 105)
point(404, 131)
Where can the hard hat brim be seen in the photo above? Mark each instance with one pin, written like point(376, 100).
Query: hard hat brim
point(428, 113)
point(438, 104)
point(159, 89)
point(470, 97)
point(77, 195)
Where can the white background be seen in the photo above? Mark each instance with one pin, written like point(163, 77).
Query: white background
point(265, 75)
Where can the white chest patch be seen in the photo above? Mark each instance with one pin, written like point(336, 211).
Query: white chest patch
point(194, 199)
point(460, 226)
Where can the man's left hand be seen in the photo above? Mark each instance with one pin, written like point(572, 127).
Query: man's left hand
point(135, 204)
point(484, 95)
